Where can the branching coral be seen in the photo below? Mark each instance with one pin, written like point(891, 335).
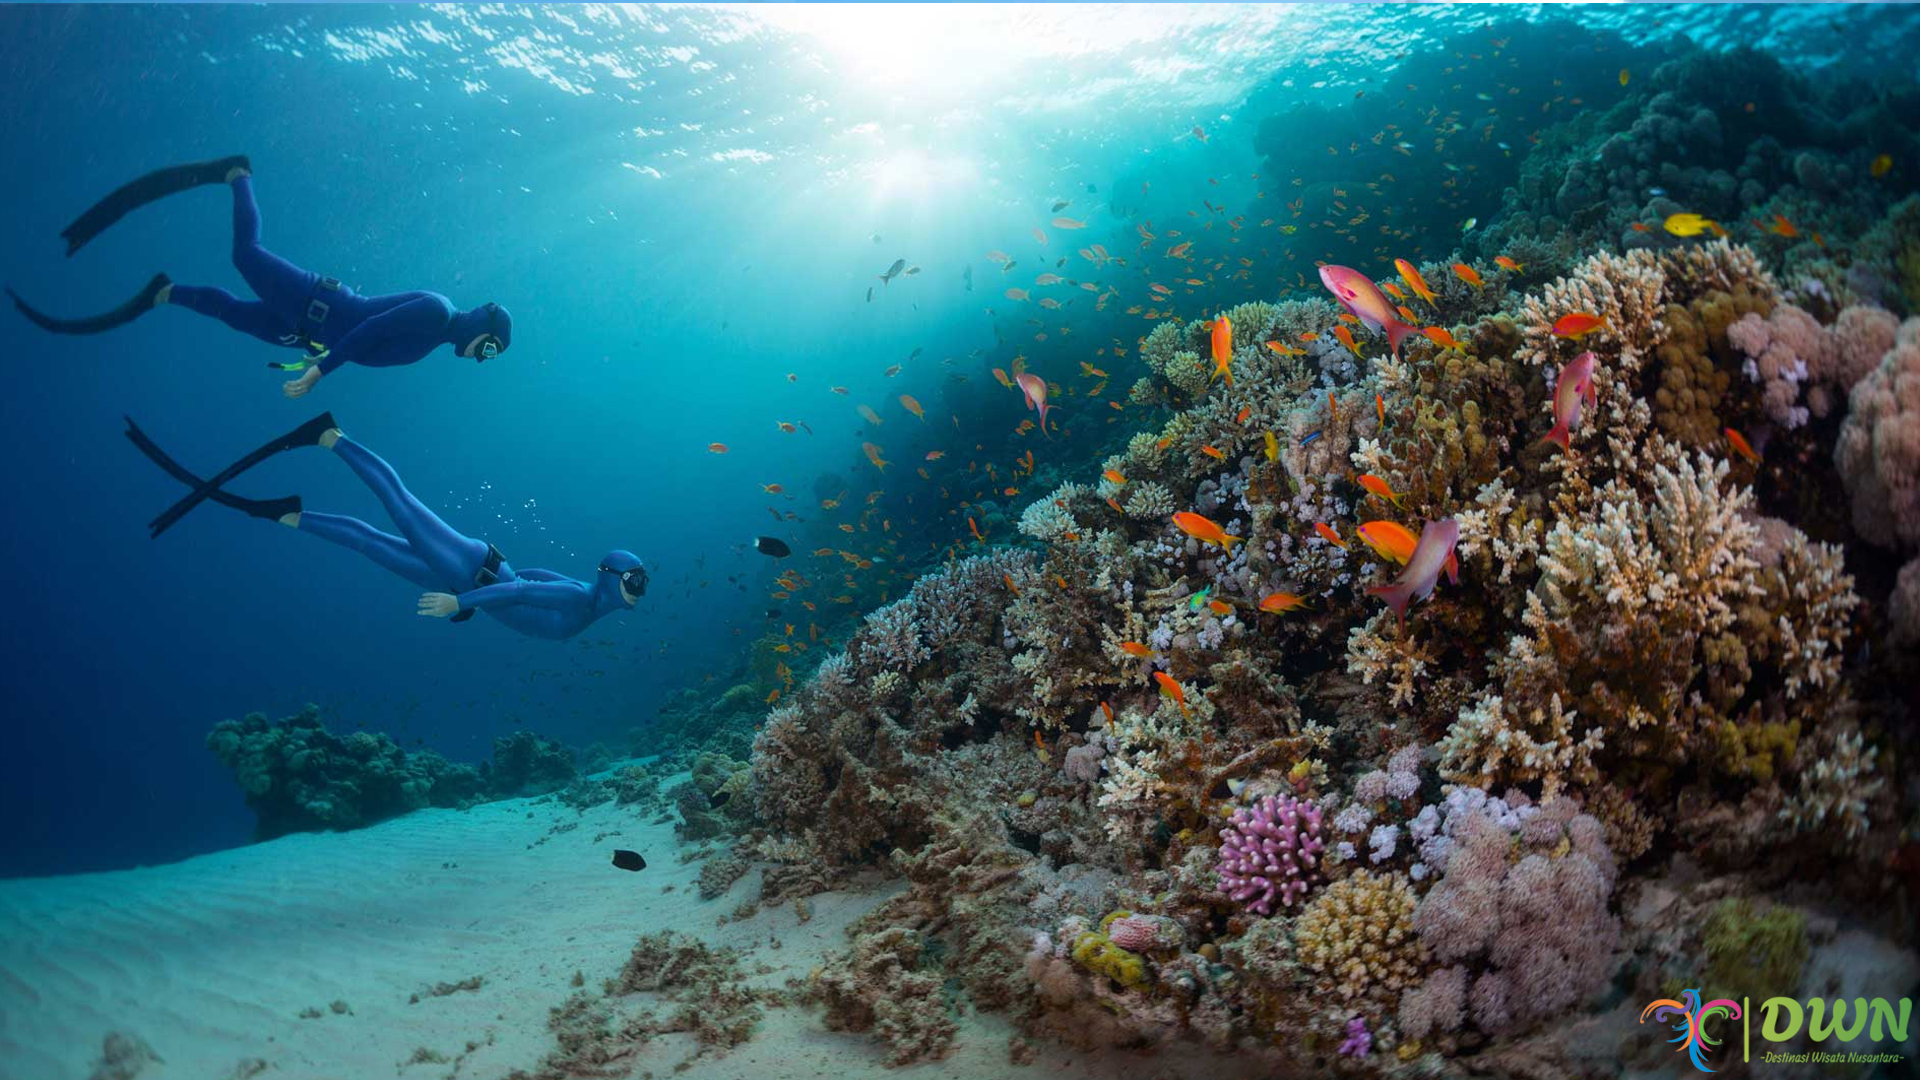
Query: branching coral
point(1271, 853)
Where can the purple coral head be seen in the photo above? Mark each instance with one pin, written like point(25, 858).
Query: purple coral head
point(1359, 1040)
point(1271, 851)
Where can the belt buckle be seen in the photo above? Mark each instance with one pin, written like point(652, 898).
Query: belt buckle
point(331, 284)
point(317, 311)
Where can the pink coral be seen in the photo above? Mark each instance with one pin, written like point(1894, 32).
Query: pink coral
point(1542, 923)
point(1904, 607)
point(1790, 349)
point(1782, 352)
point(1878, 453)
point(1271, 850)
point(1134, 933)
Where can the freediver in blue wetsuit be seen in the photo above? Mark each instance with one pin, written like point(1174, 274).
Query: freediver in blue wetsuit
point(296, 308)
point(461, 574)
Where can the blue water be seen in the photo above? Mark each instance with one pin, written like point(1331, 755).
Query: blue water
point(680, 208)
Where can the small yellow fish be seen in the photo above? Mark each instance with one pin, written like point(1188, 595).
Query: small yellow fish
point(1684, 224)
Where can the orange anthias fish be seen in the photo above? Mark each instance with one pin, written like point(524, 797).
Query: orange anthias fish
point(1204, 530)
point(1782, 227)
point(1011, 587)
point(1171, 688)
point(873, 455)
point(1439, 336)
point(1469, 275)
point(1223, 348)
point(975, 530)
point(1219, 607)
point(1414, 281)
point(1089, 369)
point(1327, 532)
point(772, 489)
point(1377, 486)
point(1214, 452)
point(1034, 388)
point(936, 455)
point(908, 403)
point(1433, 553)
point(869, 415)
point(1113, 476)
point(1284, 349)
point(1000, 374)
point(1281, 602)
point(1392, 290)
point(1346, 338)
point(1135, 648)
point(1741, 446)
point(1380, 407)
point(1577, 325)
point(716, 448)
point(1570, 390)
point(1505, 263)
point(1391, 540)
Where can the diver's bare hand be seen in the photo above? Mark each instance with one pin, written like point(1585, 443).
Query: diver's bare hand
point(438, 605)
point(294, 388)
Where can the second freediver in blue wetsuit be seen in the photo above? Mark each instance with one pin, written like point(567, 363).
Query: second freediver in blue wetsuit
point(460, 573)
point(295, 308)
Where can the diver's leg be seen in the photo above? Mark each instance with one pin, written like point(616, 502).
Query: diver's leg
point(386, 549)
point(452, 555)
point(282, 286)
point(154, 186)
point(250, 317)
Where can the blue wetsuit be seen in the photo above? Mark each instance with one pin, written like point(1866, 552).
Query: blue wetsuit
point(377, 331)
point(432, 555)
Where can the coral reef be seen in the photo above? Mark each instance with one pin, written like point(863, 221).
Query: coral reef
point(528, 764)
point(1146, 787)
point(299, 776)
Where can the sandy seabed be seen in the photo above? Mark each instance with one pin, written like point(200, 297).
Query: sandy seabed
point(212, 961)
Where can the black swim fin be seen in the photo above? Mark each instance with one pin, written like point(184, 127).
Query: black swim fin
point(152, 187)
point(307, 434)
point(270, 509)
point(120, 316)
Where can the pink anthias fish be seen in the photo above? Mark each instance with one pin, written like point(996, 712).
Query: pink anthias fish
point(1034, 389)
point(1431, 555)
point(1364, 301)
point(1574, 386)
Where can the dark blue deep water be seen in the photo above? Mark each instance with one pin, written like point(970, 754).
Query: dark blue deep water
point(680, 208)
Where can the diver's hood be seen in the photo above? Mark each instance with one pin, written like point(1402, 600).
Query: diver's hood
point(485, 319)
point(621, 561)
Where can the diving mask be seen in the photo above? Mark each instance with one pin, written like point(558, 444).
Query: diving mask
point(634, 580)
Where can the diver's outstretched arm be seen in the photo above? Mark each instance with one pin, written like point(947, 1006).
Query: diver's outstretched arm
point(552, 595)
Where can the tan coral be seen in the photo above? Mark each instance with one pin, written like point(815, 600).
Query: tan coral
point(1358, 936)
